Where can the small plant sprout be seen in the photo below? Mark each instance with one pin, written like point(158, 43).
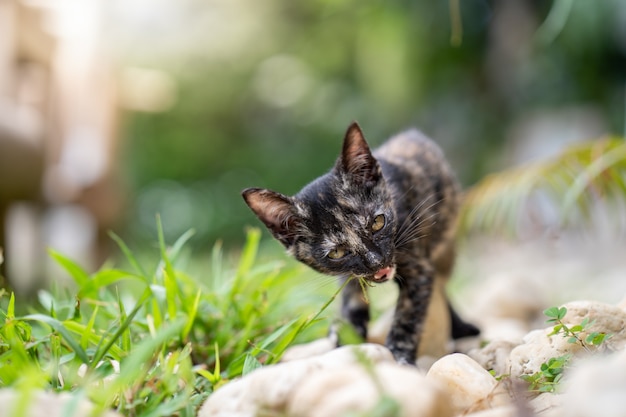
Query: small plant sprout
point(556, 314)
point(548, 377)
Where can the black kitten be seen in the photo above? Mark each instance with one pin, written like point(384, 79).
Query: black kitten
point(384, 215)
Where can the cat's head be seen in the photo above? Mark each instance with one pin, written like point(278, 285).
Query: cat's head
point(343, 223)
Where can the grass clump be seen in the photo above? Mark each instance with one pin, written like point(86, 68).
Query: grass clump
point(152, 341)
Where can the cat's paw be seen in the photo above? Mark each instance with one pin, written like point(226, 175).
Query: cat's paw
point(406, 361)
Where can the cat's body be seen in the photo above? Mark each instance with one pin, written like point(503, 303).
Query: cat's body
point(384, 215)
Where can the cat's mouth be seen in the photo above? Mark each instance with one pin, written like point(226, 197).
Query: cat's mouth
point(384, 274)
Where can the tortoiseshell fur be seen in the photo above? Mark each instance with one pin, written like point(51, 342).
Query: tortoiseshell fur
point(407, 181)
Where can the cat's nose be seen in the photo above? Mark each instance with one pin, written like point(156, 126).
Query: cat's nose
point(373, 260)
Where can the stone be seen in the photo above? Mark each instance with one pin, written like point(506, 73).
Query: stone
point(538, 347)
point(498, 328)
point(503, 411)
point(267, 389)
point(355, 389)
point(547, 404)
point(602, 318)
point(494, 356)
point(49, 404)
point(469, 385)
point(306, 350)
point(508, 295)
point(596, 387)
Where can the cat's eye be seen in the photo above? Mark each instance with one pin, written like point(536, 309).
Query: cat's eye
point(337, 253)
point(378, 223)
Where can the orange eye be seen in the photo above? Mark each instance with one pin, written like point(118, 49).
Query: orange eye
point(378, 223)
point(337, 253)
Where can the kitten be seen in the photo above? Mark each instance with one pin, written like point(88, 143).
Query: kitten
point(386, 215)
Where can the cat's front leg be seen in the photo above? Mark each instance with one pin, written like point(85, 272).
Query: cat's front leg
point(354, 307)
point(416, 283)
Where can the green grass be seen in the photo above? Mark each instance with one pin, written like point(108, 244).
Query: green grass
point(176, 337)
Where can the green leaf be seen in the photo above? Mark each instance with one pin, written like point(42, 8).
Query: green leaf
point(174, 251)
point(105, 278)
point(250, 364)
point(248, 256)
point(125, 336)
point(576, 328)
point(191, 317)
point(11, 307)
point(129, 255)
point(596, 338)
point(135, 366)
point(62, 330)
point(552, 312)
point(123, 326)
point(556, 329)
point(77, 273)
point(84, 340)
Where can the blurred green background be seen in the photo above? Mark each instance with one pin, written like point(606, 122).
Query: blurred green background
point(265, 90)
point(112, 111)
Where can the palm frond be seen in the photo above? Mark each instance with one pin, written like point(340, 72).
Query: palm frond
point(557, 191)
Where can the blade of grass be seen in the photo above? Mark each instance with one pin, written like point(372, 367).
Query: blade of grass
point(62, 330)
point(129, 255)
point(180, 243)
point(304, 323)
point(80, 329)
point(76, 271)
point(105, 278)
point(123, 326)
point(191, 317)
point(123, 318)
point(248, 256)
point(136, 365)
point(84, 339)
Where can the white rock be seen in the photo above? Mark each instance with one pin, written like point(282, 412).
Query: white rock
point(498, 328)
point(547, 404)
point(602, 318)
point(494, 356)
point(334, 393)
point(538, 347)
point(470, 386)
point(596, 387)
point(516, 296)
point(504, 411)
point(306, 350)
point(268, 389)
point(48, 404)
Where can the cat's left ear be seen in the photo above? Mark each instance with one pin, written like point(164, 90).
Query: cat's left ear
point(357, 159)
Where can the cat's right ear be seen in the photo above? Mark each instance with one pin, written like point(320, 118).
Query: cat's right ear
point(276, 211)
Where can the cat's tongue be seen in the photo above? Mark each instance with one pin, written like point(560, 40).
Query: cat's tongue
point(384, 274)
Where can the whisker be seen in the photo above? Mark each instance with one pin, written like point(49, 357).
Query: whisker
point(419, 223)
point(400, 278)
point(416, 235)
point(416, 226)
point(408, 223)
point(403, 247)
point(321, 282)
point(414, 210)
